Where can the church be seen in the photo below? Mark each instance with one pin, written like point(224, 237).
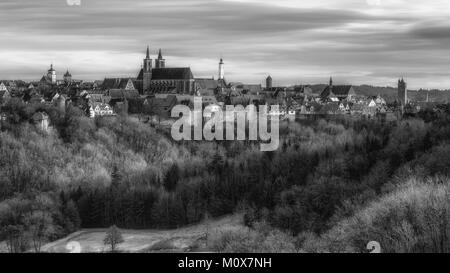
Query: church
point(164, 80)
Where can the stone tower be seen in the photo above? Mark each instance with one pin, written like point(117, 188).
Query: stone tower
point(402, 92)
point(160, 62)
point(52, 74)
point(68, 77)
point(221, 70)
point(147, 72)
point(269, 82)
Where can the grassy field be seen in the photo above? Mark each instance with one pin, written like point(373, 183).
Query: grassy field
point(191, 238)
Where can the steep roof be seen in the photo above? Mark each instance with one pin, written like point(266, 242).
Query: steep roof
point(123, 94)
point(178, 73)
point(338, 90)
point(208, 84)
point(183, 73)
point(162, 89)
point(329, 108)
point(115, 83)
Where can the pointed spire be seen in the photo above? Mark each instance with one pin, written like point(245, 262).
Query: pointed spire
point(148, 52)
point(331, 81)
point(160, 54)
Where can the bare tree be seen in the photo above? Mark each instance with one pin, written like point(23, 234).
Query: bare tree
point(113, 238)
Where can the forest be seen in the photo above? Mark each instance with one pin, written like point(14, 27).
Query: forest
point(332, 186)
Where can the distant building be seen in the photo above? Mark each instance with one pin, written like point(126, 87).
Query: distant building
point(3, 87)
point(164, 80)
point(221, 70)
point(118, 83)
point(42, 121)
point(160, 106)
point(207, 87)
point(402, 92)
point(102, 109)
point(50, 78)
point(5, 95)
point(68, 77)
point(121, 95)
point(337, 93)
point(160, 62)
point(269, 82)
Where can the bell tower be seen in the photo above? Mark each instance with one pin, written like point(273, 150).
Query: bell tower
point(160, 62)
point(147, 72)
point(221, 70)
point(52, 74)
point(402, 92)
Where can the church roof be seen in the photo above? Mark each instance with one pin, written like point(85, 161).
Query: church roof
point(46, 79)
point(123, 94)
point(115, 83)
point(162, 89)
point(338, 90)
point(181, 73)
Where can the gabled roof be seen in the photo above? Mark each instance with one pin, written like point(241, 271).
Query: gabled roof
point(46, 79)
point(163, 103)
point(4, 93)
point(207, 84)
point(338, 90)
point(162, 89)
point(116, 83)
point(123, 94)
point(329, 108)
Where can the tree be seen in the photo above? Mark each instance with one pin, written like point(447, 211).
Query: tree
point(113, 238)
point(40, 228)
point(172, 177)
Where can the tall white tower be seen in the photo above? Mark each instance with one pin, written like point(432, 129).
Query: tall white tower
point(52, 74)
point(221, 70)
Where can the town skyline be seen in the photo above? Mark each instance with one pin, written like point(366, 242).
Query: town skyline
point(372, 42)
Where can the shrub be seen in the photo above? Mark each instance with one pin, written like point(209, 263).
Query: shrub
point(414, 218)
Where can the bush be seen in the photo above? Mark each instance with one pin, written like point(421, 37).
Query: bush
point(415, 218)
point(262, 239)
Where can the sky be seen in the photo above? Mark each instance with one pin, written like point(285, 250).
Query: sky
point(295, 41)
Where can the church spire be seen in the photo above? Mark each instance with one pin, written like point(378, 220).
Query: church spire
point(160, 62)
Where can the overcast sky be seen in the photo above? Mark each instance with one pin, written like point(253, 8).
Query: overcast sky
point(295, 41)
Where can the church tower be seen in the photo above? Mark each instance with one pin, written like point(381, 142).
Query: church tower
point(402, 92)
point(269, 82)
point(147, 72)
point(221, 70)
point(160, 62)
point(68, 77)
point(330, 85)
point(51, 74)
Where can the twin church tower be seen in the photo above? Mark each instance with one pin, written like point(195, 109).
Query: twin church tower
point(148, 67)
point(160, 79)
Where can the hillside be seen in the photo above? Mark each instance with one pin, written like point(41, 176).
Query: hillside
point(390, 93)
point(178, 240)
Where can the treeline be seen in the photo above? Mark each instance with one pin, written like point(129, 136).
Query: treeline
point(118, 171)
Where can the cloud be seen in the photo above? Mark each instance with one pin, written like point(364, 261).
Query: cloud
point(294, 41)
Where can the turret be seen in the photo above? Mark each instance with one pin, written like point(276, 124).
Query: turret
point(221, 70)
